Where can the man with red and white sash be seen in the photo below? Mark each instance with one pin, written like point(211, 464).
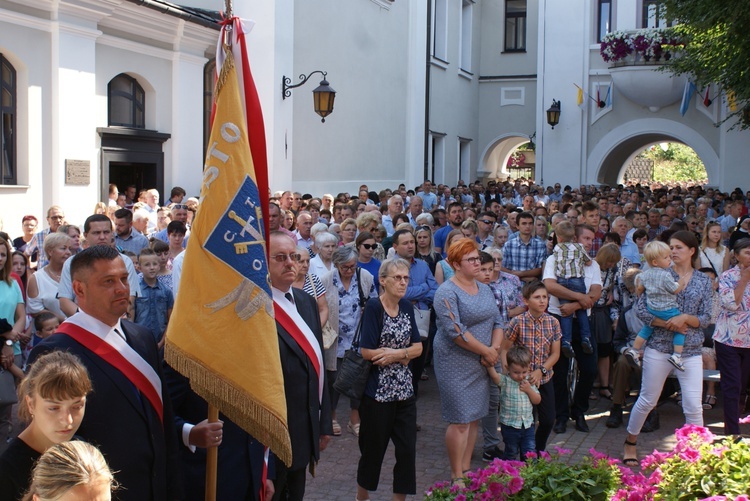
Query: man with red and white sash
point(128, 414)
point(301, 351)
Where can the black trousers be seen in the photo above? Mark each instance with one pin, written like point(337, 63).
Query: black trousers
point(546, 414)
point(289, 484)
point(587, 370)
point(381, 423)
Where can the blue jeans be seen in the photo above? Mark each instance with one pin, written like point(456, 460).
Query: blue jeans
point(575, 284)
point(518, 440)
point(678, 339)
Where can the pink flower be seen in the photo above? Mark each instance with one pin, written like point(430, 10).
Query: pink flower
point(689, 431)
point(531, 455)
point(597, 455)
point(562, 452)
point(714, 498)
point(515, 484)
point(545, 455)
point(742, 497)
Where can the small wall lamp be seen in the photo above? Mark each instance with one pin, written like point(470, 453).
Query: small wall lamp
point(323, 95)
point(553, 113)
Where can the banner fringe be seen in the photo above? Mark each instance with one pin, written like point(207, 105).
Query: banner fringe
point(232, 401)
point(228, 65)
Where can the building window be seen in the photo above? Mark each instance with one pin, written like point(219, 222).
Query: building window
point(126, 102)
point(653, 14)
point(515, 25)
point(467, 12)
point(604, 25)
point(209, 72)
point(440, 29)
point(8, 135)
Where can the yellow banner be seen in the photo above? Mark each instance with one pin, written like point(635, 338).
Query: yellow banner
point(222, 333)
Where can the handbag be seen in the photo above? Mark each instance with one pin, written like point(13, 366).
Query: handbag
point(352, 376)
point(423, 322)
point(329, 335)
point(8, 395)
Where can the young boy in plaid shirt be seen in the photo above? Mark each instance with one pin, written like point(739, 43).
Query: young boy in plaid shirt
point(517, 400)
point(539, 332)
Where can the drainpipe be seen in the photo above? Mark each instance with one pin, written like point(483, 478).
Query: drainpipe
point(428, 56)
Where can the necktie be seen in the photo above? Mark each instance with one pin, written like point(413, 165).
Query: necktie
point(288, 295)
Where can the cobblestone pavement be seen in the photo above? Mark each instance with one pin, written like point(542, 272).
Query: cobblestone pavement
point(336, 472)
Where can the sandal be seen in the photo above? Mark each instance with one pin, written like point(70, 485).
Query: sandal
point(353, 428)
point(606, 393)
point(709, 401)
point(336, 428)
point(633, 460)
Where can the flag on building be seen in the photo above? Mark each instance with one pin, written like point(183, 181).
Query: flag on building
point(222, 333)
point(581, 99)
point(707, 99)
point(687, 96)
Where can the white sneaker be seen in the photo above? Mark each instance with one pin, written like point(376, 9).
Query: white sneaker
point(631, 355)
point(676, 360)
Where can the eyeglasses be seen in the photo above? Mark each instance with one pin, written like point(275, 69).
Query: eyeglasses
point(179, 206)
point(57, 218)
point(348, 268)
point(400, 278)
point(498, 260)
point(487, 221)
point(472, 260)
point(281, 258)
point(370, 246)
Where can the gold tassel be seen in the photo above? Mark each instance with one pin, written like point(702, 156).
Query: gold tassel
point(228, 65)
point(234, 402)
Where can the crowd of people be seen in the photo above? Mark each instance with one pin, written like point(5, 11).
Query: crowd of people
point(496, 285)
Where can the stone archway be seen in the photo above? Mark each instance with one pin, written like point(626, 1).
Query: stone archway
point(612, 154)
point(494, 158)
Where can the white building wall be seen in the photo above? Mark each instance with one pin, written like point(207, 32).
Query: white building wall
point(375, 61)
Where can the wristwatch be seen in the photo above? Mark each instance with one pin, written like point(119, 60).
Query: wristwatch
point(544, 370)
point(8, 342)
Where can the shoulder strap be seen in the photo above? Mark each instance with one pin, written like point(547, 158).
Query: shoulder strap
point(362, 298)
point(710, 262)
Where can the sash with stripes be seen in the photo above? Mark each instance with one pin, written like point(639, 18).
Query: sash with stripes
point(125, 363)
point(286, 321)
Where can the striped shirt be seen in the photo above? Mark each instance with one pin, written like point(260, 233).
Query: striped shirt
point(537, 334)
point(570, 260)
point(516, 410)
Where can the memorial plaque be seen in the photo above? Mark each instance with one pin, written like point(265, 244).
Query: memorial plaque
point(77, 172)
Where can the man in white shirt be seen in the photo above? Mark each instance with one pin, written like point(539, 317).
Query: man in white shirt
point(587, 363)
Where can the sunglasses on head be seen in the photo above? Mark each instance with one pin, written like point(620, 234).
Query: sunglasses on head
point(179, 206)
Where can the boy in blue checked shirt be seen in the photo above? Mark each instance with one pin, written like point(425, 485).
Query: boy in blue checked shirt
point(517, 400)
point(153, 306)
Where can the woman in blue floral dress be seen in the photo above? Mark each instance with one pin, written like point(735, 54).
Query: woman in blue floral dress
point(388, 410)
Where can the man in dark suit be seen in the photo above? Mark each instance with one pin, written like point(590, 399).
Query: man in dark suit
point(128, 416)
point(301, 351)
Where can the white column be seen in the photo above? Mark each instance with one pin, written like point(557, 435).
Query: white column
point(271, 53)
point(73, 109)
point(186, 166)
point(415, 112)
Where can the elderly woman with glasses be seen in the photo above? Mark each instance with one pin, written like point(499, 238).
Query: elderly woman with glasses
point(390, 339)
point(468, 341)
point(347, 289)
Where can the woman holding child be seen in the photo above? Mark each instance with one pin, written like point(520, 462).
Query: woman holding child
point(694, 303)
point(468, 341)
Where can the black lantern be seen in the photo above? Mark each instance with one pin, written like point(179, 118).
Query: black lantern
point(323, 95)
point(553, 113)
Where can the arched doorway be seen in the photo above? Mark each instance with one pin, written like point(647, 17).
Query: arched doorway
point(614, 152)
point(497, 154)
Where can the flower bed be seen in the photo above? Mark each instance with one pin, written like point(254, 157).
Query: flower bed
point(699, 468)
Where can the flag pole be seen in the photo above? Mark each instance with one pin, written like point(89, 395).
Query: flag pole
point(212, 453)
